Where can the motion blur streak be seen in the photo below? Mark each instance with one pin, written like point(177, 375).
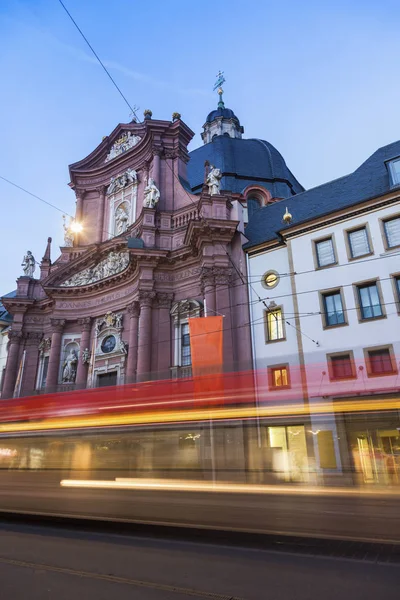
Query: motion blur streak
point(348, 406)
point(200, 486)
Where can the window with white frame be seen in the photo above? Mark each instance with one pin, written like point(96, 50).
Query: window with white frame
point(325, 252)
point(186, 358)
point(274, 329)
point(359, 242)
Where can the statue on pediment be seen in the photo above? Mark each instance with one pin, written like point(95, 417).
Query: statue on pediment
point(121, 181)
point(28, 264)
point(151, 194)
point(214, 180)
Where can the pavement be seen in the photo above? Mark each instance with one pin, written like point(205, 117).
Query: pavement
point(59, 562)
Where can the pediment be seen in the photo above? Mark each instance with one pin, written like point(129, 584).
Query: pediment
point(90, 269)
point(124, 138)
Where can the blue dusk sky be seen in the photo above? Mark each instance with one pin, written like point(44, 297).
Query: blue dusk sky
point(319, 80)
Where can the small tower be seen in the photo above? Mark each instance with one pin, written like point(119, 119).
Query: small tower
point(221, 121)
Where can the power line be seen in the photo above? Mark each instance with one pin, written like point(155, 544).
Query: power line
point(35, 196)
point(133, 111)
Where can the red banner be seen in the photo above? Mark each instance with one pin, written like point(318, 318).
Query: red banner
point(206, 347)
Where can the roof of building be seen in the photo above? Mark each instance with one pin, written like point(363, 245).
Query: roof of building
point(242, 163)
point(369, 181)
point(5, 316)
point(225, 113)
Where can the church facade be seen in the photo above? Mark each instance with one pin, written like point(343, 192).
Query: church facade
point(156, 239)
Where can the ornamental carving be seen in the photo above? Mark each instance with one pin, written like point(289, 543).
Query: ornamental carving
point(85, 323)
point(164, 299)
point(127, 141)
point(146, 297)
point(45, 345)
point(122, 181)
point(185, 309)
point(134, 309)
point(115, 263)
point(109, 320)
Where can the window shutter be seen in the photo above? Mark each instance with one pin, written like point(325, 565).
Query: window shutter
point(392, 229)
point(359, 243)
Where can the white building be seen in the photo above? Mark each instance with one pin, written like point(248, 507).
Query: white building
point(325, 304)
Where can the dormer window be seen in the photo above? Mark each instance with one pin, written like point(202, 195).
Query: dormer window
point(394, 170)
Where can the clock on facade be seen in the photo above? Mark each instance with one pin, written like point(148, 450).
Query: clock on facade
point(108, 344)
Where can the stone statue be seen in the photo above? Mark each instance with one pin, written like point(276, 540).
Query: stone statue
point(214, 180)
point(121, 181)
point(151, 194)
point(118, 320)
point(69, 367)
point(28, 264)
point(86, 356)
point(121, 220)
point(123, 347)
point(124, 143)
point(68, 233)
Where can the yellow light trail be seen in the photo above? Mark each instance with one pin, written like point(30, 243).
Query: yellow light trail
point(216, 414)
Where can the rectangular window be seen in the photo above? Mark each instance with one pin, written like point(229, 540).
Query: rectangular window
point(325, 252)
point(334, 314)
point(279, 377)
point(380, 362)
point(370, 303)
point(341, 366)
point(359, 242)
point(186, 359)
point(394, 166)
point(397, 286)
point(392, 232)
point(274, 325)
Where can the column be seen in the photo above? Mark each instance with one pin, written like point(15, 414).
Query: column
point(10, 375)
point(131, 363)
point(222, 278)
point(208, 290)
point(100, 214)
point(55, 351)
point(82, 370)
point(28, 384)
point(163, 348)
point(156, 166)
point(144, 346)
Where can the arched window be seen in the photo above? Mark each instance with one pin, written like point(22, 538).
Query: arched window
point(180, 313)
point(253, 204)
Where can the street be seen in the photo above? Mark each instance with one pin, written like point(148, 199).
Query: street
point(38, 562)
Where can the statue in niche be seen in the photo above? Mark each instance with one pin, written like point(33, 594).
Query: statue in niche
point(121, 220)
point(123, 347)
point(151, 194)
point(69, 367)
point(86, 356)
point(68, 233)
point(28, 264)
point(214, 180)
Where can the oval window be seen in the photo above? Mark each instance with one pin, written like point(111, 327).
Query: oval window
point(270, 279)
point(108, 344)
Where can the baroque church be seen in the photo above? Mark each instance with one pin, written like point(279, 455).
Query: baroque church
point(156, 239)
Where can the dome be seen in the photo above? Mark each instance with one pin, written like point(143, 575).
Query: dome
point(224, 113)
point(243, 163)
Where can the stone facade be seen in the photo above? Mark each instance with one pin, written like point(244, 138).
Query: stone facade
point(100, 314)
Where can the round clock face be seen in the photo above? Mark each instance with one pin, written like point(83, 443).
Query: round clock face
point(108, 344)
point(271, 279)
